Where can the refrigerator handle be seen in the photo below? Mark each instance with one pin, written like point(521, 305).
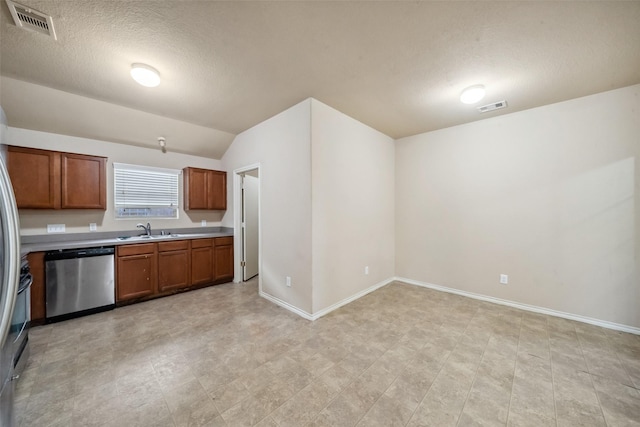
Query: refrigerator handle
point(10, 224)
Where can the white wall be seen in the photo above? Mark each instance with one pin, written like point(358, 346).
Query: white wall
point(549, 196)
point(352, 206)
point(33, 222)
point(66, 113)
point(282, 146)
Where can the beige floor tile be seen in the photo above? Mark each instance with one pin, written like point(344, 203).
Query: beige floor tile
point(229, 395)
point(387, 412)
point(403, 355)
point(248, 412)
point(304, 406)
point(198, 412)
point(343, 411)
point(620, 402)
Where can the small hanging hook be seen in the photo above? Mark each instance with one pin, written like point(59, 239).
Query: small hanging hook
point(163, 143)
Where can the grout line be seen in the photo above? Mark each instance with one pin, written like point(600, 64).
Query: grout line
point(623, 365)
point(393, 381)
point(436, 377)
point(553, 382)
point(515, 368)
point(475, 376)
point(593, 385)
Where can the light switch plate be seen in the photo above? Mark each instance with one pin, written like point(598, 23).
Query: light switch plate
point(203, 223)
point(93, 226)
point(55, 228)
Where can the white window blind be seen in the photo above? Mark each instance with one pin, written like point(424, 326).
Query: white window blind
point(145, 192)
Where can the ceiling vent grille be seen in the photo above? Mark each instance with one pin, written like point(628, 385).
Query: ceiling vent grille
point(32, 20)
point(494, 106)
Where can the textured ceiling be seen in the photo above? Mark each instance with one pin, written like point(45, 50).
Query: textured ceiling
point(397, 66)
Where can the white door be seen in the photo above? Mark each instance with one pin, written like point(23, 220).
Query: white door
point(250, 190)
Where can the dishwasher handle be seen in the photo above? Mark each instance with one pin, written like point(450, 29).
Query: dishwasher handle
point(78, 253)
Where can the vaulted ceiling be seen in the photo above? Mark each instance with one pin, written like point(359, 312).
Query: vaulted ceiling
point(398, 67)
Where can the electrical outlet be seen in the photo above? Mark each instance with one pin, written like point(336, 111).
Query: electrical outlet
point(55, 228)
point(93, 226)
point(504, 279)
point(203, 223)
point(366, 270)
point(288, 281)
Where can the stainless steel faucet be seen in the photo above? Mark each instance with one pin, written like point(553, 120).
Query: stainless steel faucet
point(147, 229)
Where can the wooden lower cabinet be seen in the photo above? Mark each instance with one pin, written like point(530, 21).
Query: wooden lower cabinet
point(149, 269)
point(223, 259)
point(137, 271)
point(201, 261)
point(174, 265)
point(38, 307)
point(145, 270)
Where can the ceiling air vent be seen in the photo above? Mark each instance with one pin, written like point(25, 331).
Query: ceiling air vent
point(494, 106)
point(31, 20)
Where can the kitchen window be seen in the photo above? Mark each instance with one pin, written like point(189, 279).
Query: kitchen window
point(145, 192)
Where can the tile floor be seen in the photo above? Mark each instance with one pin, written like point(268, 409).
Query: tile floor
point(401, 356)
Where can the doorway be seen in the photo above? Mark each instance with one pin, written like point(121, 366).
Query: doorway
point(250, 224)
point(247, 223)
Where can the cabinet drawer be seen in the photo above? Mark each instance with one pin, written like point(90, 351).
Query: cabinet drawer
point(223, 241)
point(201, 243)
point(173, 245)
point(136, 249)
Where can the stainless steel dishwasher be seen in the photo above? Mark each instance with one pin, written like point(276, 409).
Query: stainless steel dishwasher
point(79, 282)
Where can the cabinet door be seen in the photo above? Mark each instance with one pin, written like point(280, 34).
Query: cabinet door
point(217, 190)
point(83, 181)
point(136, 276)
point(173, 270)
point(223, 260)
point(195, 188)
point(202, 264)
point(35, 175)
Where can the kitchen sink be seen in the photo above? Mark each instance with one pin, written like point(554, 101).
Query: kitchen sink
point(161, 237)
point(133, 238)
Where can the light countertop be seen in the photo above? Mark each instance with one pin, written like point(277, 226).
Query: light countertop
point(89, 240)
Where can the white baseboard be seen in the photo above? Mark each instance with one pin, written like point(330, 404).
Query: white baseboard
point(286, 305)
point(327, 310)
point(533, 308)
point(352, 298)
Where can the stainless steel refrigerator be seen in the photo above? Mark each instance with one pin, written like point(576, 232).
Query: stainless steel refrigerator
point(9, 276)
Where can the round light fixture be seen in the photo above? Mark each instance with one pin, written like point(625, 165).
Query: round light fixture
point(472, 94)
point(145, 75)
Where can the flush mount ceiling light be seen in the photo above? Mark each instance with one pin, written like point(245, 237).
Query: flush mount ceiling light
point(472, 94)
point(145, 75)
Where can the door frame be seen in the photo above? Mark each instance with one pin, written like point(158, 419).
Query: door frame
point(237, 222)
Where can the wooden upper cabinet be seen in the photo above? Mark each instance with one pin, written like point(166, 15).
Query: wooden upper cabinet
point(83, 181)
point(205, 189)
point(44, 179)
point(35, 175)
point(217, 190)
point(195, 188)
